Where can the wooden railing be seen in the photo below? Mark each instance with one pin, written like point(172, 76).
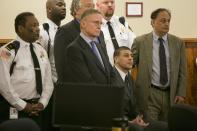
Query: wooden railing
point(4, 41)
point(191, 52)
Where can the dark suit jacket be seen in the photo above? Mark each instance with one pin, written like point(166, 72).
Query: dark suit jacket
point(82, 65)
point(64, 36)
point(129, 107)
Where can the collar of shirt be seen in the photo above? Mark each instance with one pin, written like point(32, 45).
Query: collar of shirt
point(156, 37)
point(77, 20)
point(24, 43)
point(88, 39)
point(52, 25)
point(112, 20)
point(122, 74)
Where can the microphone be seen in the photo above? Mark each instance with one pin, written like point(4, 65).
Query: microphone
point(122, 21)
point(46, 27)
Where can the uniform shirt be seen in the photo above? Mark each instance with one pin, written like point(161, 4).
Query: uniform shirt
point(124, 36)
point(21, 85)
point(43, 40)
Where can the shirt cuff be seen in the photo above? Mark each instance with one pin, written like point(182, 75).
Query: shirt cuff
point(20, 105)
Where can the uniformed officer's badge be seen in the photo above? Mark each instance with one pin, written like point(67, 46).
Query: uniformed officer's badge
point(42, 54)
point(122, 29)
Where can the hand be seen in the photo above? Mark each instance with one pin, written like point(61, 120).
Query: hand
point(28, 108)
point(139, 121)
point(36, 108)
point(179, 99)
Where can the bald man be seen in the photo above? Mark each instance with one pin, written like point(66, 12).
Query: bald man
point(56, 12)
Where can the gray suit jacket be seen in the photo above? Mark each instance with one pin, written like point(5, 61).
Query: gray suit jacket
point(142, 53)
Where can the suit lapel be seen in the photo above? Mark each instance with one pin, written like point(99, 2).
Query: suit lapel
point(172, 47)
point(120, 82)
point(76, 25)
point(148, 43)
point(90, 54)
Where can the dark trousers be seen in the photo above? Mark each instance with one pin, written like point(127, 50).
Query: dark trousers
point(4, 114)
point(47, 117)
point(4, 110)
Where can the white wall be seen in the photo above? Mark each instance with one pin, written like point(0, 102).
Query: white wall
point(183, 22)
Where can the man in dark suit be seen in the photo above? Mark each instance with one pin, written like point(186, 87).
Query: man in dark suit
point(86, 59)
point(123, 61)
point(67, 33)
point(161, 62)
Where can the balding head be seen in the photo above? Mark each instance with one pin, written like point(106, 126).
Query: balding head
point(106, 7)
point(56, 10)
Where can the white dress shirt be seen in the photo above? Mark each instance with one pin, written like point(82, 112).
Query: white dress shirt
point(122, 74)
point(43, 40)
point(21, 85)
point(124, 36)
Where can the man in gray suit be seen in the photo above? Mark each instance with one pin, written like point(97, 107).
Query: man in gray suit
point(161, 62)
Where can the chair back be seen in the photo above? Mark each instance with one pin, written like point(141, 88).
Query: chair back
point(182, 118)
point(23, 124)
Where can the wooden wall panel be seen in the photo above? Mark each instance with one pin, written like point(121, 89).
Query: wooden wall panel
point(191, 51)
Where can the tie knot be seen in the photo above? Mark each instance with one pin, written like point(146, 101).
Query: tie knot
point(160, 39)
point(126, 78)
point(109, 23)
point(31, 45)
point(93, 43)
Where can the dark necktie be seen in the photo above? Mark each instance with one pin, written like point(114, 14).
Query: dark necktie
point(127, 77)
point(163, 66)
point(37, 70)
point(96, 52)
point(112, 34)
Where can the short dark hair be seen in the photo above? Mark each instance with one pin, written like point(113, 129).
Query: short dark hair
point(156, 12)
point(89, 12)
point(21, 19)
point(118, 50)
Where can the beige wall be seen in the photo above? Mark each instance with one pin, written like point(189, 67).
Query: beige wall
point(183, 22)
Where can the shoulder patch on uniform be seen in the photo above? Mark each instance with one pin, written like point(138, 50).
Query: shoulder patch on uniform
point(13, 45)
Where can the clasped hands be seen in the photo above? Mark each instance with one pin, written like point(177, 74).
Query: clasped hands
point(139, 121)
point(33, 109)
